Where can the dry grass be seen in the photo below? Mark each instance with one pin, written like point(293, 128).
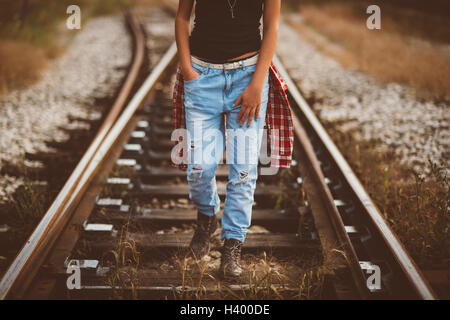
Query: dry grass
point(416, 206)
point(387, 54)
point(30, 31)
point(20, 64)
point(29, 205)
point(427, 20)
point(126, 263)
point(266, 277)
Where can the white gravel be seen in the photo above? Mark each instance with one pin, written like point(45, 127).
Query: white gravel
point(391, 114)
point(92, 67)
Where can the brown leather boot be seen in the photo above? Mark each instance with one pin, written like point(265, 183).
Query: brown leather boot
point(200, 243)
point(231, 254)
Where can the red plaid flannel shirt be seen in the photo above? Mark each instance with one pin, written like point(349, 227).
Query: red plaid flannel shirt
point(278, 122)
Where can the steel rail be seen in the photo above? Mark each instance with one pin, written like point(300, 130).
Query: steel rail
point(410, 269)
point(26, 264)
point(330, 227)
point(38, 244)
point(322, 198)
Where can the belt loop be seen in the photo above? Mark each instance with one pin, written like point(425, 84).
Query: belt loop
point(207, 68)
point(243, 64)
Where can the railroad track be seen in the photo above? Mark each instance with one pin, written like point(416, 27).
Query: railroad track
point(124, 219)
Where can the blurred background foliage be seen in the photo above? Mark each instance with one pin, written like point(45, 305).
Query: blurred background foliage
point(35, 21)
point(428, 19)
point(411, 48)
point(33, 31)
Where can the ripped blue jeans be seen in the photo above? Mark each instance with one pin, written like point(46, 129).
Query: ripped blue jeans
point(207, 99)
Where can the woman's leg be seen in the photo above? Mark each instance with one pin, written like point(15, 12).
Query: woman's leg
point(202, 167)
point(243, 146)
point(205, 134)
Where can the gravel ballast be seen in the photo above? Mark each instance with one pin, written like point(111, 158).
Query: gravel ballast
point(391, 114)
point(159, 27)
point(92, 67)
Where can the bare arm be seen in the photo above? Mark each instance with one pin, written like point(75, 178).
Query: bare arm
point(269, 42)
point(251, 98)
point(182, 25)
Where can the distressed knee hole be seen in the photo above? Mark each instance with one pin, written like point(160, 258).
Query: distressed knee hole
point(243, 175)
point(242, 178)
point(196, 173)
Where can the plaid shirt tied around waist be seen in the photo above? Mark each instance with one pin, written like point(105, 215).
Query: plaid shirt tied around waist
point(278, 121)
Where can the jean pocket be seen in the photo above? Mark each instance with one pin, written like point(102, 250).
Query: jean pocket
point(250, 69)
point(199, 69)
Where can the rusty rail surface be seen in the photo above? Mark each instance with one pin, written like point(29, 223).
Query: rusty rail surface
point(24, 267)
point(329, 224)
point(410, 269)
point(332, 227)
point(334, 239)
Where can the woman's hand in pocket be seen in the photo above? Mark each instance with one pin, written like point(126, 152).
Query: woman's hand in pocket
point(190, 74)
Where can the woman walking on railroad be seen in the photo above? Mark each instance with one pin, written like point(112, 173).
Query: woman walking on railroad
point(226, 83)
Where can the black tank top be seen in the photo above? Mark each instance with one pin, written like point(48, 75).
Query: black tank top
point(218, 37)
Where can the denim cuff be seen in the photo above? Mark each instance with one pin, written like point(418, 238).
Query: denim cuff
point(232, 235)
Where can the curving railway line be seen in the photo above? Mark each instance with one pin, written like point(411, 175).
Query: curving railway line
point(112, 219)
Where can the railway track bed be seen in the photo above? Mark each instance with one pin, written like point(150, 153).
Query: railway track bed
point(155, 222)
point(125, 222)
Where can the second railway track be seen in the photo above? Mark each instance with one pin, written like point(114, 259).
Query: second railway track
point(125, 220)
